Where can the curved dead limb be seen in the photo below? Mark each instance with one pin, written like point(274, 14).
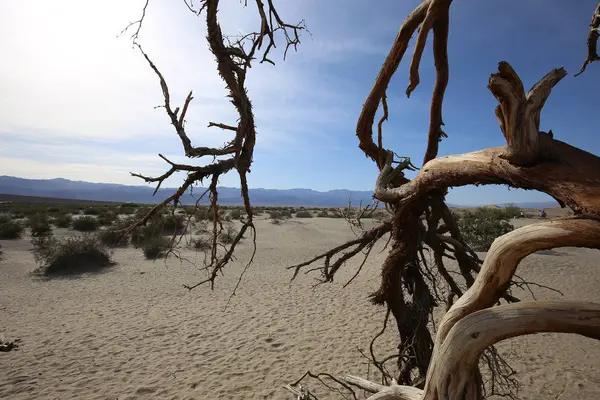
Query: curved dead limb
point(505, 255)
point(392, 392)
point(459, 354)
point(499, 267)
point(592, 41)
point(364, 126)
point(570, 175)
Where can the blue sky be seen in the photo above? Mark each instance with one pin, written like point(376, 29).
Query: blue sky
point(77, 102)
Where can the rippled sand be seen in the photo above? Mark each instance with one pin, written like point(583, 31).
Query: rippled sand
point(134, 332)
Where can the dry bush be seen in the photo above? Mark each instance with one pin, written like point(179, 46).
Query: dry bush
point(482, 226)
point(228, 235)
point(236, 214)
point(304, 214)
point(155, 247)
point(93, 211)
point(107, 217)
point(10, 229)
point(39, 225)
point(70, 256)
point(86, 224)
point(63, 221)
point(201, 243)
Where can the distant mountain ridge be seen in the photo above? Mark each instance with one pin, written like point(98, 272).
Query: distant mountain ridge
point(67, 189)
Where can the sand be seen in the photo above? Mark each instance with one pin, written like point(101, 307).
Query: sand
point(133, 332)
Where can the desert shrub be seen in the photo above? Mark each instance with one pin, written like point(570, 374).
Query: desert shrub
point(71, 255)
point(63, 221)
point(92, 211)
point(106, 218)
point(86, 224)
point(304, 214)
point(202, 243)
point(54, 210)
point(126, 210)
point(228, 235)
point(172, 224)
point(16, 214)
point(512, 211)
point(156, 248)
point(482, 226)
point(323, 214)
point(10, 229)
point(156, 228)
point(111, 237)
point(236, 214)
point(4, 218)
point(39, 225)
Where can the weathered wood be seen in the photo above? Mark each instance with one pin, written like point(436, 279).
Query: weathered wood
point(459, 354)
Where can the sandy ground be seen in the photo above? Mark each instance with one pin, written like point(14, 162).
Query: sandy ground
point(134, 332)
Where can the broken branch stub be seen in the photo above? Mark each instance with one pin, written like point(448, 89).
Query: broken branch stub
point(519, 113)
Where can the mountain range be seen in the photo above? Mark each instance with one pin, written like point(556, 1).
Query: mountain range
point(78, 190)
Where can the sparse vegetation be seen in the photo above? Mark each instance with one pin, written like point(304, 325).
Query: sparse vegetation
point(92, 211)
point(228, 235)
point(72, 255)
point(236, 214)
point(201, 243)
point(482, 226)
point(304, 214)
point(39, 225)
point(107, 217)
point(63, 221)
point(10, 229)
point(86, 224)
point(156, 248)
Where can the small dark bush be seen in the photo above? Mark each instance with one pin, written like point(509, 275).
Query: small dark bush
point(323, 214)
point(127, 210)
point(71, 255)
point(63, 221)
point(202, 243)
point(17, 215)
point(86, 224)
point(156, 248)
point(92, 211)
point(482, 226)
point(11, 229)
point(106, 218)
point(39, 225)
point(172, 224)
point(112, 237)
point(235, 214)
point(228, 236)
point(4, 218)
point(304, 214)
point(512, 211)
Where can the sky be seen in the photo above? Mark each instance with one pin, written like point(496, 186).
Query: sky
point(78, 101)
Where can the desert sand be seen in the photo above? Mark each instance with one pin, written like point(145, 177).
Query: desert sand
point(134, 332)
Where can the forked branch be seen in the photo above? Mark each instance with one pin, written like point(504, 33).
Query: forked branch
point(519, 113)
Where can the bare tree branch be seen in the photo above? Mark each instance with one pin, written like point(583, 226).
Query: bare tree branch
point(592, 41)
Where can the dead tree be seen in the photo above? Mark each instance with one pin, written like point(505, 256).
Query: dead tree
point(445, 366)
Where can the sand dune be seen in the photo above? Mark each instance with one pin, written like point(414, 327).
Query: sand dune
point(134, 332)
